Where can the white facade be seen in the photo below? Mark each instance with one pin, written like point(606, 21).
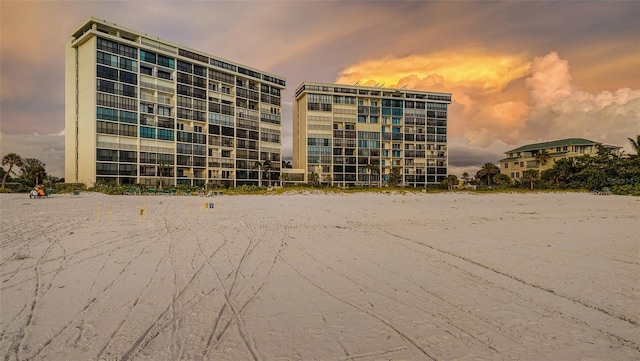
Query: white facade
point(140, 110)
point(356, 135)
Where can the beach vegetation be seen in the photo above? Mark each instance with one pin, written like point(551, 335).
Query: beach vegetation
point(395, 176)
point(11, 160)
point(502, 180)
point(32, 171)
point(450, 181)
point(373, 167)
point(530, 176)
point(607, 168)
point(635, 145)
point(314, 179)
point(487, 172)
point(264, 168)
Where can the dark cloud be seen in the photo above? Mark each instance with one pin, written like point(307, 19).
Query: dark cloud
point(314, 41)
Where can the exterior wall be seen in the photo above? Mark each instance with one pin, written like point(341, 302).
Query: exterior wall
point(300, 134)
point(341, 131)
point(86, 112)
point(140, 110)
point(70, 165)
point(519, 161)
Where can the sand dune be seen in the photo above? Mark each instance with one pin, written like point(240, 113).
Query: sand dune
point(320, 277)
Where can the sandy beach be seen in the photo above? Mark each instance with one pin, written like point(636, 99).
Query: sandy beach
point(457, 276)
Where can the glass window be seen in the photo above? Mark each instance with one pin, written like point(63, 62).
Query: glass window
point(106, 59)
point(106, 86)
point(164, 75)
point(147, 56)
point(107, 45)
point(107, 73)
point(107, 128)
point(128, 117)
point(128, 156)
point(146, 132)
point(107, 155)
point(166, 62)
point(185, 67)
point(107, 114)
point(127, 77)
point(106, 168)
point(165, 134)
point(128, 130)
point(128, 64)
point(128, 51)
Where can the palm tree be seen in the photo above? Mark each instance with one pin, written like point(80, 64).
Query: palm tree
point(286, 164)
point(542, 157)
point(372, 167)
point(33, 169)
point(284, 177)
point(530, 175)
point(488, 170)
point(258, 165)
point(314, 178)
point(395, 176)
point(161, 168)
point(10, 159)
point(263, 167)
point(635, 145)
point(563, 171)
point(267, 168)
point(328, 179)
point(450, 181)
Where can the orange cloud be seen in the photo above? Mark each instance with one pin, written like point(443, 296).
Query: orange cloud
point(508, 98)
point(474, 69)
point(485, 106)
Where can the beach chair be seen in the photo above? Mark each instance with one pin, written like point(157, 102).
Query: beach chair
point(151, 191)
point(606, 191)
point(132, 190)
point(48, 192)
point(76, 193)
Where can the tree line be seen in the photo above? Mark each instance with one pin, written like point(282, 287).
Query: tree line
point(604, 169)
point(26, 171)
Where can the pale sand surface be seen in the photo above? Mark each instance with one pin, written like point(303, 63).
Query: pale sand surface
point(321, 277)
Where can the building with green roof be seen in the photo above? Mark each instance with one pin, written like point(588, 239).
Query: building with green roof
point(542, 156)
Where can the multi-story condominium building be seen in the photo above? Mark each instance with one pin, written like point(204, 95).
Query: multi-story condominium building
point(542, 156)
point(140, 110)
point(356, 135)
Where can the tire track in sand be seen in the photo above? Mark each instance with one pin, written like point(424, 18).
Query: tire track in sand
point(573, 300)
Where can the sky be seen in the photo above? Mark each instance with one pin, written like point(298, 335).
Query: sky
point(519, 71)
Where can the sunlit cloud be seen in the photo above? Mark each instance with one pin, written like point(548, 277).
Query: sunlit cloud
point(486, 106)
point(560, 109)
point(479, 69)
point(508, 99)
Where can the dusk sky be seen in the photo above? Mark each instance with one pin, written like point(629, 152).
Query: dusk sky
point(519, 71)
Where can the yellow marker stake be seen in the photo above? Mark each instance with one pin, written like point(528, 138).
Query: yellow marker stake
point(141, 213)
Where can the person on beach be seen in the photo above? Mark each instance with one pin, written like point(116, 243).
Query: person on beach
point(34, 193)
point(37, 192)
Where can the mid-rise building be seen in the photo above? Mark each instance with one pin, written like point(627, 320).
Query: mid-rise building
point(350, 135)
point(140, 110)
point(542, 156)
